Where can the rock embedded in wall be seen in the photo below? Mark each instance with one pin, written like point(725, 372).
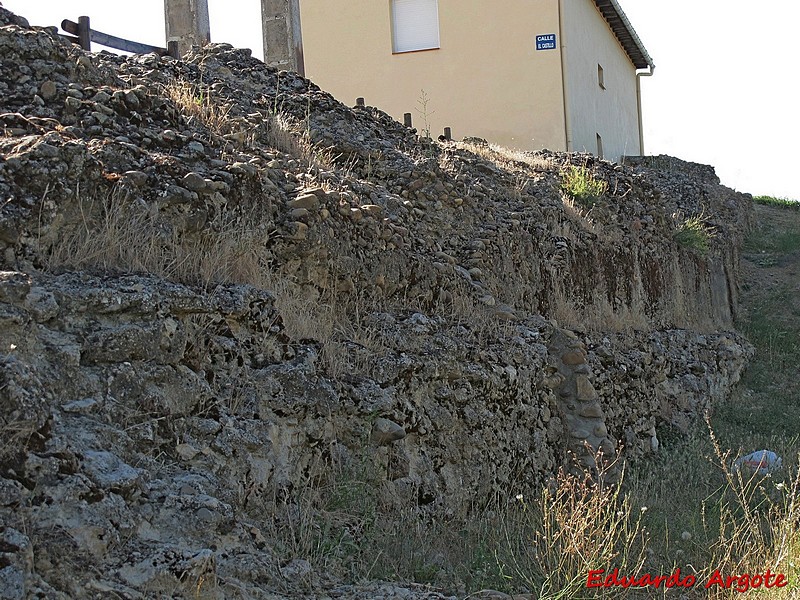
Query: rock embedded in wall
point(585, 429)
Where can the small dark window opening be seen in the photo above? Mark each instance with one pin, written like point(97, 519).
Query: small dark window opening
point(600, 79)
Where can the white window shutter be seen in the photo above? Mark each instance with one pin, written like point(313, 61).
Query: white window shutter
point(415, 25)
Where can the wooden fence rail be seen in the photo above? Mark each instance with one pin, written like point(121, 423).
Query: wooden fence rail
point(85, 35)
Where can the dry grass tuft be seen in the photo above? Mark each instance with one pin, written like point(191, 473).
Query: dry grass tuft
point(348, 346)
point(507, 157)
point(123, 234)
point(281, 134)
point(579, 523)
point(196, 103)
point(755, 521)
point(15, 435)
point(275, 130)
point(598, 315)
point(582, 216)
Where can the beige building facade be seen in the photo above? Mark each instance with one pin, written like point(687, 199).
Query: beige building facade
point(525, 74)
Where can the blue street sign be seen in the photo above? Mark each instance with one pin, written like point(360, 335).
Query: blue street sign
point(546, 42)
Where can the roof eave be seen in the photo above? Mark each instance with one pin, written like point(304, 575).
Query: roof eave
point(625, 33)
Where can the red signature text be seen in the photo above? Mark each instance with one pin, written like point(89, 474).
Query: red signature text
point(598, 578)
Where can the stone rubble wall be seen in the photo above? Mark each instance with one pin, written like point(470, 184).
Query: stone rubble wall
point(165, 428)
point(154, 431)
point(402, 218)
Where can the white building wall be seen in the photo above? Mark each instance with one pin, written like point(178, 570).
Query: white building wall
point(486, 79)
point(612, 112)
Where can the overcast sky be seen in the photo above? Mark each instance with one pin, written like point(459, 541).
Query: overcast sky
point(724, 91)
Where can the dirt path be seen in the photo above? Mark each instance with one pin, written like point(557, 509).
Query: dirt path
point(766, 409)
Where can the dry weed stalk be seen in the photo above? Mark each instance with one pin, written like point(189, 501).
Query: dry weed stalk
point(599, 315)
point(15, 435)
point(507, 157)
point(275, 129)
point(756, 525)
point(582, 216)
point(196, 103)
point(580, 522)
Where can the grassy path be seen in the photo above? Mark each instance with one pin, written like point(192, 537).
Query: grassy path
point(701, 517)
point(767, 409)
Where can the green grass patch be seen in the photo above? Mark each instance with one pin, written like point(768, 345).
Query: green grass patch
point(694, 233)
point(778, 202)
point(701, 514)
point(781, 242)
point(582, 185)
point(776, 338)
point(776, 234)
point(769, 409)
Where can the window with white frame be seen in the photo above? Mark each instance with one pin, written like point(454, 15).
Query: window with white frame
point(415, 25)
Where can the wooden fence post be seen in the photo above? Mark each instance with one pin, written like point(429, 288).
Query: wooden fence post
point(448, 134)
point(360, 102)
point(407, 120)
point(84, 33)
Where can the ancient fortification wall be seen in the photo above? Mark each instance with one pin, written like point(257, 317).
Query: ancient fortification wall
point(218, 284)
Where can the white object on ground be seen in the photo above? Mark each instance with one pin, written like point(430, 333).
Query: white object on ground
point(761, 462)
